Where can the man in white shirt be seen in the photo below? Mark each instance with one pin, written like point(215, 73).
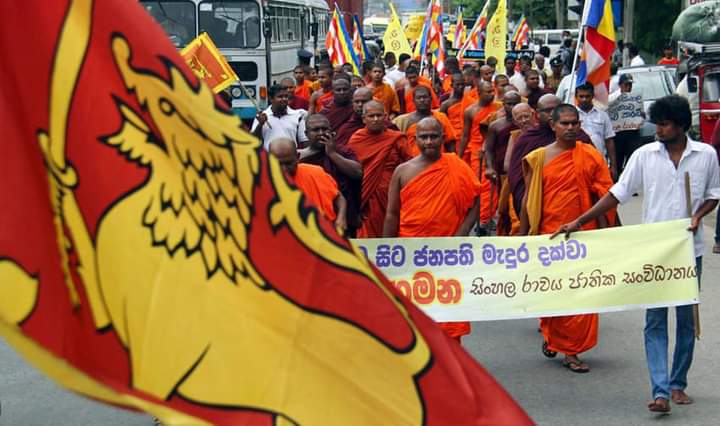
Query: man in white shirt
point(396, 73)
point(279, 121)
point(635, 58)
point(518, 79)
point(597, 125)
point(657, 170)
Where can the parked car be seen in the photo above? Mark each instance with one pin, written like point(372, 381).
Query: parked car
point(652, 82)
point(700, 67)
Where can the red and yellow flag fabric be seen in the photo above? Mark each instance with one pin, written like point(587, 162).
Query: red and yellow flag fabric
point(206, 61)
point(139, 241)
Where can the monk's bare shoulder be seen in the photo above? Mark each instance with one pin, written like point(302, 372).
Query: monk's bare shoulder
point(498, 124)
point(408, 170)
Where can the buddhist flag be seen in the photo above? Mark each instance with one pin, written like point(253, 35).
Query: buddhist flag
point(520, 35)
point(338, 43)
point(496, 41)
point(394, 38)
point(139, 233)
point(206, 61)
point(598, 47)
point(459, 36)
point(358, 41)
point(472, 42)
point(434, 10)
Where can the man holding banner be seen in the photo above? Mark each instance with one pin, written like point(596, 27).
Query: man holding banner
point(433, 195)
point(562, 180)
point(679, 178)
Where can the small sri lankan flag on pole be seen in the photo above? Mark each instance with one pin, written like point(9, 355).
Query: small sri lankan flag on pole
point(206, 61)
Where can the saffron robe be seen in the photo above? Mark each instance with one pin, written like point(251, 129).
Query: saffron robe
point(337, 114)
point(319, 188)
point(434, 204)
point(379, 155)
point(559, 192)
point(323, 100)
point(304, 90)
point(403, 123)
point(386, 95)
point(410, 102)
point(488, 199)
point(456, 117)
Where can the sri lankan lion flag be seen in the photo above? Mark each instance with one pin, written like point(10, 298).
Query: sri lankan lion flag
point(139, 241)
point(206, 61)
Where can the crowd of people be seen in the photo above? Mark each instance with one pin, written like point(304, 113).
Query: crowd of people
point(390, 153)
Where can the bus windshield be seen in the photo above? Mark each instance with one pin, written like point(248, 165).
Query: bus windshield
point(231, 24)
point(177, 18)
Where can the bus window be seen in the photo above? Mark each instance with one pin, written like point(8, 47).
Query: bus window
point(177, 18)
point(231, 24)
point(711, 87)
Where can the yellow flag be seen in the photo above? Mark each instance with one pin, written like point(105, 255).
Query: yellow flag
point(394, 38)
point(496, 41)
point(414, 27)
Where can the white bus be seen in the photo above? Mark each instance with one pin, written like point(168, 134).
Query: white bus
point(260, 39)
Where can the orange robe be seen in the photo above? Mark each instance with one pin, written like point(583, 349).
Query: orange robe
point(488, 199)
point(434, 204)
point(320, 101)
point(448, 131)
point(560, 191)
point(456, 117)
point(315, 85)
point(319, 188)
point(379, 156)
point(447, 85)
point(410, 102)
point(388, 97)
point(304, 90)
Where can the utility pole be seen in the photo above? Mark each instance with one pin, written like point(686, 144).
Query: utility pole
point(628, 28)
point(560, 13)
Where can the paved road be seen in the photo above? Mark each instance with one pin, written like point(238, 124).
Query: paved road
point(614, 393)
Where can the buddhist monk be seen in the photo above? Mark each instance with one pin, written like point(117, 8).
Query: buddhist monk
point(471, 90)
point(413, 81)
point(407, 122)
point(524, 118)
point(452, 66)
point(339, 108)
point(302, 89)
point(380, 151)
point(534, 138)
point(338, 161)
point(562, 181)
point(319, 188)
point(477, 118)
point(500, 81)
point(486, 73)
point(495, 146)
point(453, 107)
point(294, 102)
point(320, 97)
point(383, 92)
point(360, 97)
point(357, 82)
point(433, 195)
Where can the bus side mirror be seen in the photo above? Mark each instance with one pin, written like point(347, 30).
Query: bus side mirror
point(692, 84)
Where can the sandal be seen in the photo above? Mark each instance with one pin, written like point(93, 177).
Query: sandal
point(576, 366)
point(660, 405)
point(547, 352)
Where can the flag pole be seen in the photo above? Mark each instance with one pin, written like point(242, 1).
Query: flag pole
point(581, 36)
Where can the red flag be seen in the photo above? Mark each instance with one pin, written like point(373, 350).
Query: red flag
point(153, 256)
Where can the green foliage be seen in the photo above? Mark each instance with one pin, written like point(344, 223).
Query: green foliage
point(653, 23)
point(539, 13)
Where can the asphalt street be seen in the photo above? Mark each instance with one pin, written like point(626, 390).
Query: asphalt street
point(613, 393)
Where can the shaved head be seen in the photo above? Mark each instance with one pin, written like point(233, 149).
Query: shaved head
point(511, 96)
point(429, 123)
point(361, 96)
point(486, 93)
point(286, 153)
point(374, 117)
point(429, 138)
point(545, 106)
point(523, 116)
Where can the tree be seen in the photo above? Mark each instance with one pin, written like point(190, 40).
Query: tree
point(653, 23)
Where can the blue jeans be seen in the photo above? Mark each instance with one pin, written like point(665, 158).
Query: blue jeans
point(717, 227)
point(656, 346)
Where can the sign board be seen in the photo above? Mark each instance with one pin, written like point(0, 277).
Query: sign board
point(626, 112)
point(688, 3)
